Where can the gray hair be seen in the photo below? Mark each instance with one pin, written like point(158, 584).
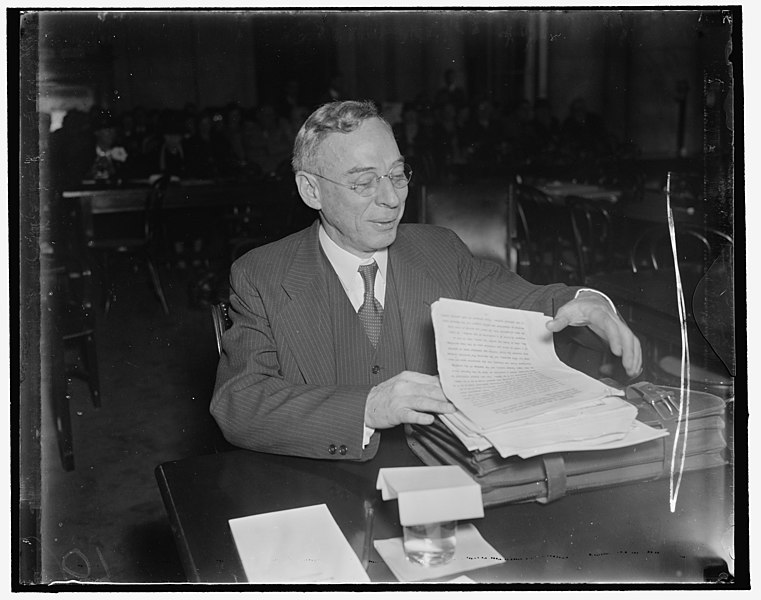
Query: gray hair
point(343, 116)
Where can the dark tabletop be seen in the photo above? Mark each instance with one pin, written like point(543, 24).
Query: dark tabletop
point(619, 534)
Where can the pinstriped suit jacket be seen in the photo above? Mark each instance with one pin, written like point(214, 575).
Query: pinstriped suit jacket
point(275, 389)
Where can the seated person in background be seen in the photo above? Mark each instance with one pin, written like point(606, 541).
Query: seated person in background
point(266, 142)
point(331, 340)
point(483, 140)
point(71, 150)
point(206, 153)
point(108, 157)
point(171, 157)
point(583, 132)
point(407, 131)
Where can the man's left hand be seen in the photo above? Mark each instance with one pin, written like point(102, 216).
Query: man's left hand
point(594, 311)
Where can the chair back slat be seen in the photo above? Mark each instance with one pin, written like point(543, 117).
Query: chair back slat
point(482, 215)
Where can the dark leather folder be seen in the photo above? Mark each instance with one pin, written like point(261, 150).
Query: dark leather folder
point(548, 477)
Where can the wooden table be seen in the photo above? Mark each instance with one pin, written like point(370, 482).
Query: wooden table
point(560, 190)
point(651, 209)
point(647, 299)
point(130, 198)
point(618, 534)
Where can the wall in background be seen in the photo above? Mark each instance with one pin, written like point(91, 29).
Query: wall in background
point(637, 69)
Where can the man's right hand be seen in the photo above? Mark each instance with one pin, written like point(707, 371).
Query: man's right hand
point(408, 397)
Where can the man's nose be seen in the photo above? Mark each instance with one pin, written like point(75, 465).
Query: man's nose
point(387, 194)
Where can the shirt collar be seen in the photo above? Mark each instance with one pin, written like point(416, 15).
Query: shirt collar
point(345, 263)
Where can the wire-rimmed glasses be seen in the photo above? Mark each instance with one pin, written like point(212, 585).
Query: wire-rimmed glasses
point(367, 183)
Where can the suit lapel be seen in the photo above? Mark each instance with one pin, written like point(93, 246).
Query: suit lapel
point(416, 291)
point(305, 320)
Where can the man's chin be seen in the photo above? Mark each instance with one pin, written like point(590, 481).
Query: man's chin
point(384, 236)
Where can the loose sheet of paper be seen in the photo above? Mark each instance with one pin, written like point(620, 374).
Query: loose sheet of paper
point(301, 545)
point(472, 552)
point(498, 365)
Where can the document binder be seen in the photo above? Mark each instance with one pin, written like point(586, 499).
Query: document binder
point(548, 477)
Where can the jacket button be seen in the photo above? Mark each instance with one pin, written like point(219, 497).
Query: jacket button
point(376, 370)
point(332, 449)
point(342, 450)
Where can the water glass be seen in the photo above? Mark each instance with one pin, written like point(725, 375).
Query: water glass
point(430, 544)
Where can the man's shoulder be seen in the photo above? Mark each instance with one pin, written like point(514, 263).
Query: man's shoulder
point(424, 235)
point(272, 256)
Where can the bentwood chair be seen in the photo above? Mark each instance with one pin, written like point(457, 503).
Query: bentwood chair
point(592, 235)
point(481, 214)
point(142, 245)
point(221, 320)
point(697, 250)
point(545, 239)
point(646, 296)
point(67, 324)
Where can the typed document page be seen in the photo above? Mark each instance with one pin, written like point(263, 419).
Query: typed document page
point(498, 365)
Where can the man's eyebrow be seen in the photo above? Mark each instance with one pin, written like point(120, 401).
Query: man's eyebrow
point(360, 169)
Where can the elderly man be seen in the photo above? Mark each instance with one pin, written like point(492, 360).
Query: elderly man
point(332, 341)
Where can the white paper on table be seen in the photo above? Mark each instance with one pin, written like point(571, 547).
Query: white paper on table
point(497, 365)
point(471, 552)
point(302, 545)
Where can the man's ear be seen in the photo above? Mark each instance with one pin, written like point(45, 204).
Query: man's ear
point(306, 183)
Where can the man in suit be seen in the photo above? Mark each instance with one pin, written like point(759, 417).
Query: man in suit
point(332, 340)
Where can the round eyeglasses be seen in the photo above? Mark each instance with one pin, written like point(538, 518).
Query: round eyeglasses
point(367, 183)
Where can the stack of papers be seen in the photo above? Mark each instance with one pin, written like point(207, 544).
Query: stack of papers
point(499, 368)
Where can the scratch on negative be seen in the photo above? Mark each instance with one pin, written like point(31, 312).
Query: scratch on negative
point(675, 480)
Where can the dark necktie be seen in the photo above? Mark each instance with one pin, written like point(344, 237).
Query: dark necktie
point(371, 311)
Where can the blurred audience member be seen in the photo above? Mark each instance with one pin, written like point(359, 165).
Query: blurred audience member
point(483, 140)
point(583, 132)
point(448, 135)
point(71, 150)
point(108, 157)
point(189, 124)
point(267, 143)
point(334, 90)
point(171, 157)
point(207, 153)
point(451, 91)
point(289, 100)
point(546, 127)
point(520, 142)
point(233, 131)
point(406, 131)
point(294, 121)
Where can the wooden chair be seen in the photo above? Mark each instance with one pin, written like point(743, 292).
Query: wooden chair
point(221, 320)
point(79, 326)
point(544, 236)
point(697, 249)
point(482, 215)
point(274, 213)
point(592, 235)
point(68, 320)
point(143, 245)
point(652, 266)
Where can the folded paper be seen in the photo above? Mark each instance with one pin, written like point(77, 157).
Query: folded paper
point(431, 494)
point(300, 545)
